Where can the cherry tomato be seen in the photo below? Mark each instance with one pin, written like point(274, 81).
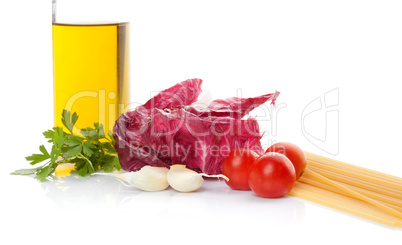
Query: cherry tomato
point(272, 175)
point(236, 166)
point(294, 153)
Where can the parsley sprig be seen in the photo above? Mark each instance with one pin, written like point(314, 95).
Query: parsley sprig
point(89, 152)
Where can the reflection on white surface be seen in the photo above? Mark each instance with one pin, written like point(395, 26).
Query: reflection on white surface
point(77, 192)
point(98, 209)
point(214, 200)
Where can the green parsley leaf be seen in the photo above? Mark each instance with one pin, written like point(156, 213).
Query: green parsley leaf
point(111, 164)
point(49, 134)
point(89, 152)
point(89, 132)
point(108, 146)
point(58, 137)
point(73, 141)
point(110, 133)
point(44, 151)
point(87, 148)
point(84, 166)
point(67, 121)
point(37, 158)
point(43, 173)
point(100, 131)
point(84, 170)
point(55, 153)
point(72, 151)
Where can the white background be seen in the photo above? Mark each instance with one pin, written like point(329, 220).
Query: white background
point(303, 49)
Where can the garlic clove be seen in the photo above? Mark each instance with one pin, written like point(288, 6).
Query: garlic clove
point(148, 178)
point(183, 179)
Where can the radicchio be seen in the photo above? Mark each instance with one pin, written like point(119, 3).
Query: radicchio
point(168, 129)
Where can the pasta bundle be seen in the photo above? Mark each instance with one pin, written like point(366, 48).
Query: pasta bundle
point(353, 189)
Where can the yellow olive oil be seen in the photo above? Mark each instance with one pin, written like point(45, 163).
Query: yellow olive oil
point(90, 73)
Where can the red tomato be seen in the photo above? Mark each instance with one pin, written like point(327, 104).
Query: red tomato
point(272, 175)
point(236, 166)
point(294, 153)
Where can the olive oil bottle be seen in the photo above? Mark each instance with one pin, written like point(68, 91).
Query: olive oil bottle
point(90, 72)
